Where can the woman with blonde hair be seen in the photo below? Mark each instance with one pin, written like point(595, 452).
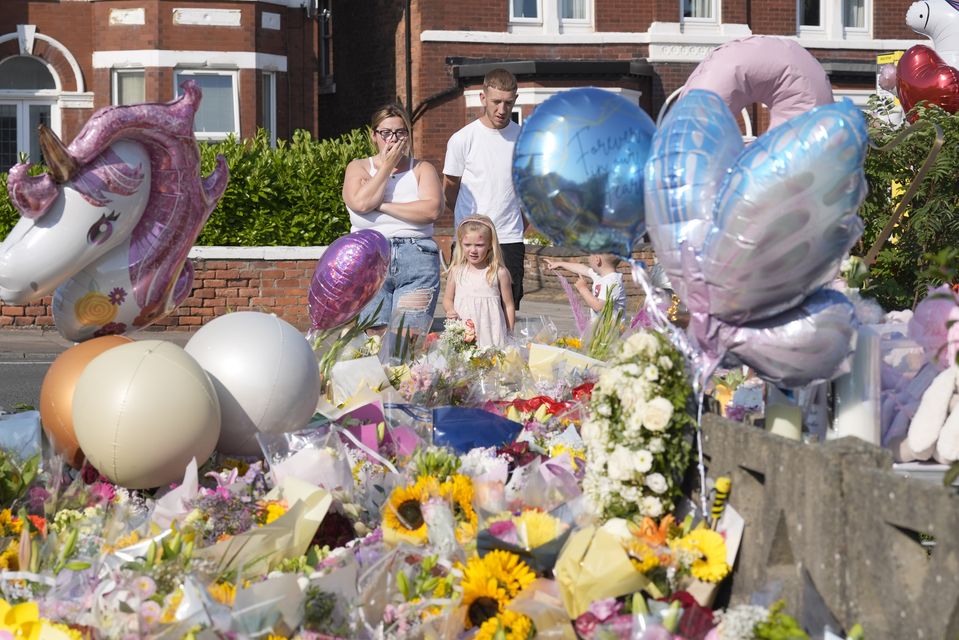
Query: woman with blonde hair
point(401, 197)
point(478, 286)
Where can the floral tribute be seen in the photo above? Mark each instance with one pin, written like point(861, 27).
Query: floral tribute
point(637, 433)
point(380, 520)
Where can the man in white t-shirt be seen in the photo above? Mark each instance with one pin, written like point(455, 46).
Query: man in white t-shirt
point(478, 173)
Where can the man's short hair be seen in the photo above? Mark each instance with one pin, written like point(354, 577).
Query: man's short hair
point(500, 79)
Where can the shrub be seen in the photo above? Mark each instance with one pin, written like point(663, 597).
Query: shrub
point(909, 262)
point(287, 196)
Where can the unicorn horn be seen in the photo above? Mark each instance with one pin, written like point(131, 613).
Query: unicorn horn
point(62, 165)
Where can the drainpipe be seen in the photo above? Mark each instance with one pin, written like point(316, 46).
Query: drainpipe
point(409, 55)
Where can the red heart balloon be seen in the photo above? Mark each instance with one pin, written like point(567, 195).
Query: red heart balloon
point(923, 75)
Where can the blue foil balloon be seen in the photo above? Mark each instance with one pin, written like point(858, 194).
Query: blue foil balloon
point(578, 169)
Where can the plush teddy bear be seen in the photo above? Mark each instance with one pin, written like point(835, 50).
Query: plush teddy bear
point(934, 429)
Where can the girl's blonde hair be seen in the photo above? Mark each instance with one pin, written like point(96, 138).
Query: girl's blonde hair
point(479, 224)
point(392, 110)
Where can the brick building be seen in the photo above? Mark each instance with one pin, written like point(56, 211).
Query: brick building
point(257, 62)
point(324, 65)
point(432, 54)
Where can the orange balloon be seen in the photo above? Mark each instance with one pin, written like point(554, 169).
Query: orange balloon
point(56, 394)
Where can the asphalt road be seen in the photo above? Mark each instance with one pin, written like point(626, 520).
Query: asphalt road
point(20, 381)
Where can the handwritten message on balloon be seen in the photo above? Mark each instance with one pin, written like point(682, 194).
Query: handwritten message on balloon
point(578, 169)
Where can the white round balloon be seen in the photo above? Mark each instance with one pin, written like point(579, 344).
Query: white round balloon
point(142, 411)
point(264, 373)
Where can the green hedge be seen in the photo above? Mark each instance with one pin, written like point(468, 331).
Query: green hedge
point(287, 196)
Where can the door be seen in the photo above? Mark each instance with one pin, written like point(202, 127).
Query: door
point(19, 120)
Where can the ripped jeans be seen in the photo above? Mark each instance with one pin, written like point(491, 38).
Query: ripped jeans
point(412, 285)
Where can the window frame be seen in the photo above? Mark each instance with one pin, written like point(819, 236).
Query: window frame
point(832, 22)
point(549, 21)
point(709, 25)
point(576, 23)
point(115, 84)
point(269, 120)
point(538, 20)
point(857, 33)
point(234, 74)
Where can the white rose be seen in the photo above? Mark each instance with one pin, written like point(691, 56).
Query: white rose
point(592, 433)
point(643, 460)
point(620, 464)
point(659, 411)
point(651, 373)
point(656, 445)
point(651, 506)
point(656, 483)
point(631, 369)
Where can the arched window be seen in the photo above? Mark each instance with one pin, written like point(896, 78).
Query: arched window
point(27, 99)
point(22, 73)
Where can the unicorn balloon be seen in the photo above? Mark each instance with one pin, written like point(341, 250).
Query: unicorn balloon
point(938, 20)
point(108, 228)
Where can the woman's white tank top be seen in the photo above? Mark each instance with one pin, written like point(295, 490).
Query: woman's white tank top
point(400, 187)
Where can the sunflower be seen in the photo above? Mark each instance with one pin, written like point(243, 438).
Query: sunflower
point(641, 555)
point(10, 558)
point(403, 514)
point(9, 526)
point(483, 596)
point(459, 491)
point(710, 550)
point(510, 572)
point(509, 625)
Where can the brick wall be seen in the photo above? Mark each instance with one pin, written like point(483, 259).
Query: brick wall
point(280, 286)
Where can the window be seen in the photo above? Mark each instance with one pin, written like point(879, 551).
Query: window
point(219, 114)
point(24, 73)
point(823, 19)
point(524, 11)
point(810, 14)
point(325, 17)
point(129, 86)
point(550, 16)
point(573, 10)
point(28, 98)
point(699, 10)
point(854, 14)
point(268, 104)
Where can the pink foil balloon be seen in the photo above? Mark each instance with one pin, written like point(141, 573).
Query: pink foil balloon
point(349, 274)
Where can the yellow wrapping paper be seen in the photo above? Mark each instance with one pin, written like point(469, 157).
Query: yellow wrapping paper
point(289, 536)
point(593, 566)
point(544, 360)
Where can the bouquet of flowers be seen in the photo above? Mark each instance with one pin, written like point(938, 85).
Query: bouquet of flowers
point(459, 339)
point(636, 433)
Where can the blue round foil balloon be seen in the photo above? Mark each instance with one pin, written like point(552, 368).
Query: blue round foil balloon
point(578, 169)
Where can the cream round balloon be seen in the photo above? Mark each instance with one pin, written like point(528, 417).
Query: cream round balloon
point(142, 411)
point(265, 375)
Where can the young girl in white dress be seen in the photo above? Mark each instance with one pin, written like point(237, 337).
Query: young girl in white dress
point(478, 286)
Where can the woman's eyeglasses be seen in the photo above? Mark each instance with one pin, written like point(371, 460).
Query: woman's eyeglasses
point(388, 134)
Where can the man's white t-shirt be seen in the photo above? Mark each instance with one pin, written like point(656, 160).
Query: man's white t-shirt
point(483, 158)
point(609, 285)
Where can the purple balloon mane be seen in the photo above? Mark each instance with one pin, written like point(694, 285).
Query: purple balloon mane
point(179, 204)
